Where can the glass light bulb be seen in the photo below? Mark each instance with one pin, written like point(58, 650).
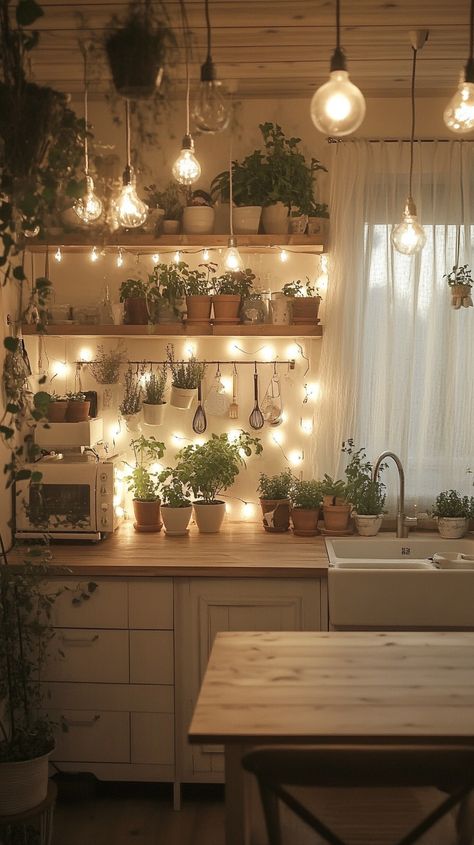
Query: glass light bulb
point(89, 207)
point(408, 237)
point(211, 112)
point(232, 259)
point(338, 106)
point(131, 211)
point(186, 169)
point(459, 113)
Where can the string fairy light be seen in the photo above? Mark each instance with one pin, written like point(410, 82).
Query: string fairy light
point(155, 258)
point(94, 256)
point(177, 258)
point(283, 256)
point(205, 255)
point(58, 255)
point(120, 257)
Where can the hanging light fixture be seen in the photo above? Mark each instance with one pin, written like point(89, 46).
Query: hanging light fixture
point(88, 207)
point(409, 236)
point(186, 169)
point(459, 113)
point(211, 112)
point(232, 260)
point(131, 212)
point(338, 106)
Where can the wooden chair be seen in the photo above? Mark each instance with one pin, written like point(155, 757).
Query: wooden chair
point(449, 769)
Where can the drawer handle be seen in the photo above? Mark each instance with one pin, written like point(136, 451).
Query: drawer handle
point(82, 723)
point(79, 640)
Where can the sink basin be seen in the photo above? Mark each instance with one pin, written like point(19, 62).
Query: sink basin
point(393, 549)
point(383, 564)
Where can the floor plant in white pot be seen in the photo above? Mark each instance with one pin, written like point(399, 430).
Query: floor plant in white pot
point(211, 469)
point(366, 495)
point(153, 405)
point(453, 511)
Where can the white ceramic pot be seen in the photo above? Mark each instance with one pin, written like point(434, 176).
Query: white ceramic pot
point(132, 422)
point(23, 785)
point(176, 520)
point(198, 220)
point(153, 414)
point(209, 518)
point(170, 227)
point(154, 221)
point(280, 309)
point(246, 219)
point(275, 219)
point(452, 527)
point(182, 397)
point(368, 526)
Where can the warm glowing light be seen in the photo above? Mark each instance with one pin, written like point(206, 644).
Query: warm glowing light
point(131, 210)
point(177, 438)
point(85, 354)
point(312, 391)
point(227, 382)
point(199, 441)
point(242, 454)
point(293, 351)
point(156, 467)
point(155, 258)
point(89, 207)
point(306, 425)
point(60, 369)
point(248, 510)
point(119, 511)
point(120, 258)
point(177, 257)
point(186, 169)
point(228, 507)
point(459, 113)
point(284, 416)
point(58, 254)
point(232, 259)
point(324, 263)
point(277, 438)
point(283, 256)
point(94, 256)
point(408, 237)
point(338, 106)
point(115, 431)
point(120, 474)
point(206, 255)
point(190, 349)
point(144, 379)
point(117, 499)
point(233, 435)
point(295, 457)
point(267, 352)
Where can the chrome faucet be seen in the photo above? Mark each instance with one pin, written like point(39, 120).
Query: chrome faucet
point(403, 522)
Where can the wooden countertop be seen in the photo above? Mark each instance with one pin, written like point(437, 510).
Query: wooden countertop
point(241, 549)
point(336, 687)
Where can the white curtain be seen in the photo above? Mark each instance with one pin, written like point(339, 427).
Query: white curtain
point(396, 368)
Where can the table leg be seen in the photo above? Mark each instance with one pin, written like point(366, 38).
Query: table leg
point(236, 798)
point(46, 825)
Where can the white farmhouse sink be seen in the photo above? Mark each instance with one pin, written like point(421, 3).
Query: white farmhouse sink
point(390, 583)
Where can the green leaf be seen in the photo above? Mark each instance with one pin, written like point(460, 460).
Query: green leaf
point(11, 343)
point(36, 477)
point(12, 408)
point(19, 273)
point(22, 474)
point(92, 586)
point(27, 12)
point(6, 431)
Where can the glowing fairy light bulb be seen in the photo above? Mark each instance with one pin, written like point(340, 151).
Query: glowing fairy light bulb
point(248, 510)
point(186, 169)
point(177, 257)
point(85, 354)
point(205, 255)
point(296, 457)
point(120, 258)
point(276, 438)
point(94, 256)
point(232, 259)
point(89, 207)
point(459, 113)
point(408, 237)
point(306, 425)
point(233, 435)
point(155, 258)
point(58, 255)
point(60, 369)
point(283, 256)
point(190, 349)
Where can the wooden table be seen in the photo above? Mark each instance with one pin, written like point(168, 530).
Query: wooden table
point(307, 687)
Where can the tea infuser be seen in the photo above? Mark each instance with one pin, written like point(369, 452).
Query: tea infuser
point(233, 407)
point(256, 418)
point(199, 419)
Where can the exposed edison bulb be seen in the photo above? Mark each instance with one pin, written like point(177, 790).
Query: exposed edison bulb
point(283, 256)
point(131, 210)
point(58, 255)
point(459, 113)
point(186, 169)
point(89, 207)
point(232, 259)
point(338, 106)
point(408, 237)
point(211, 112)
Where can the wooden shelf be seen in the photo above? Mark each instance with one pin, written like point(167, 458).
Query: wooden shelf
point(247, 243)
point(178, 330)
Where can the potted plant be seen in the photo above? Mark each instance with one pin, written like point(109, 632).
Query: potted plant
point(305, 301)
point(143, 482)
point(275, 500)
point(172, 202)
point(176, 505)
point(166, 292)
point(318, 214)
point(133, 294)
point(305, 506)
point(131, 403)
point(336, 506)
point(137, 50)
point(249, 192)
point(105, 368)
point(453, 512)
point(367, 496)
point(198, 214)
point(229, 289)
point(78, 407)
point(254, 308)
point(198, 297)
point(185, 379)
point(209, 470)
point(153, 403)
point(57, 408)
point(460, 281)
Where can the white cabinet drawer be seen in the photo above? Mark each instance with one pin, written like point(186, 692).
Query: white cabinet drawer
point(106, 606)
point(152, 738)
point(89, 655)
point(139, 698)
point(92, 736)
point(150, 603)
point(151, 657)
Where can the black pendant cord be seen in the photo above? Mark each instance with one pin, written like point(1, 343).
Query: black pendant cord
point(338, 59)
point(185, 28)
point(86, 114)
point(208, 25)
point(413, 116)
point(127, 132)
point(338, 25)
point(469, 72)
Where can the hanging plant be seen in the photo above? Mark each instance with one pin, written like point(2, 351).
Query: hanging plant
point(460, 281)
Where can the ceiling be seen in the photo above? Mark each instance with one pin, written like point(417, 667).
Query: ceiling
point(280, 48)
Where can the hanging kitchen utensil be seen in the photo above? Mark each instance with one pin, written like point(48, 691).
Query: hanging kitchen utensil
point(233, 407)
point(217, 402)
point(256, 419)
point(199, 419)
point(272, 406)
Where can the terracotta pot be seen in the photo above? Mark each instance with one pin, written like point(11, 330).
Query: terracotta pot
point(176, 520)
point(368, 526)
point(199, 309)
point(182, 397)
point(23, 785)
point(153, 414)
point(171, 227)
point(226, 308)
point(147, 516)
point(452, 527)
point(198, 220)
point(305, 309)
point(135, 311)
point(276, 514)
point(305, 521)
point(209, 517)
point(336, 517)
point(57, 411)
point(275, 219)
point(246, 219)
point(77, 411)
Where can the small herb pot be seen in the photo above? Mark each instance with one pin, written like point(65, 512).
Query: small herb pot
point(209, 516)
point(281, 309)
point(226, 308)
point(305, 309)
point(147, 516)
point(253, 311)
point(135, 311)
point(153, 414)
point(305, 521)
point(198, 309)
point(182, 397)
point(77, 411)
point(171, 227)
point(276, 515)
point(246, 219)
point(336, 517)
point(198, 220)
point(132, 421)
point(176, 520)
point(298, 224)
point(57, 411)
point(368, 525)
point(452, 527)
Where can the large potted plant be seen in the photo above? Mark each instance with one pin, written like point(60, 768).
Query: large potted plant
point(176, 505)
point(153, 403)
point(143, 482)
point(185, 379)
point(229, 290)
point(133, 294)
point(305, 506)
point(249, 192)
point(305, 301)
point(275, 502)
point(336, 505)
point(211, 469)
point(453, 512)
point(367, 496)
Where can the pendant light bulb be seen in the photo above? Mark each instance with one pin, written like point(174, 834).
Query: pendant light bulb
point(232, 259)
point(89, 207)
point(131, 211)
point(459, 113)
point(338, 106)
point(211, 112)
point(408, 237)
point(186, 169)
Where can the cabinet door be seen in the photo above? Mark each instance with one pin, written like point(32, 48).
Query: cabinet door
point(205, 606)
